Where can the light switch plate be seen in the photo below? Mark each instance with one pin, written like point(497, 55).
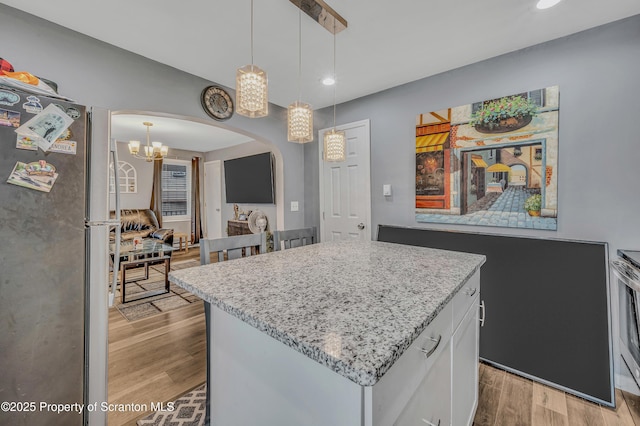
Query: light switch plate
point(386, 190)
point(294, 206)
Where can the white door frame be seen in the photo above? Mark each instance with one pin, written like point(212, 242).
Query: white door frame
point(366, 167)
point(209, 205)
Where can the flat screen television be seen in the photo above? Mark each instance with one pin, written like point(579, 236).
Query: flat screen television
point(250, 179)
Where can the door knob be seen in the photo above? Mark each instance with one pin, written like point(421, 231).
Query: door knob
point(361, 226)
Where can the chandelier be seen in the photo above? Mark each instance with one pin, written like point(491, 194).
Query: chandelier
point(299, 114)
point(152, 150)
point(251, 87)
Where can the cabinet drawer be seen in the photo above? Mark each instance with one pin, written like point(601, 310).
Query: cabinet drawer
point(394, 390)
point(463, 300)
point(431, 403)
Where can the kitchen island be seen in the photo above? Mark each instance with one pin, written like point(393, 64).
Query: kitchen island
point(341, 333)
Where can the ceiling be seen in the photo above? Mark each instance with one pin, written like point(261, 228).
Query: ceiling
point(175, 133)
point(386, 43)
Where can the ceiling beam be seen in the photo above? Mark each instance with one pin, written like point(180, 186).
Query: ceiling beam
point(323, 14)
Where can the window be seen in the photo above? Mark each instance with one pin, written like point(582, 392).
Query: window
point(176, 189)
point(126, 178)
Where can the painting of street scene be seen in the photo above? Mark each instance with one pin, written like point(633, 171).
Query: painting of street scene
point(490, 163)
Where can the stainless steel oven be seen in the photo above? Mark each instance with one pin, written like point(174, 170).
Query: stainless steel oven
point(627, 270)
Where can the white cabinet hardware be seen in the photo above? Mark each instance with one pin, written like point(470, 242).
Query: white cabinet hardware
point(428, 352)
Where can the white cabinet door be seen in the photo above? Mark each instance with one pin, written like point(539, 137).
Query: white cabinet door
point(465, 368)
point(431, 403)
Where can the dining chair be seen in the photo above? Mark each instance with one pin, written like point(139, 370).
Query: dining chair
point(234, 247)
point(294, 238)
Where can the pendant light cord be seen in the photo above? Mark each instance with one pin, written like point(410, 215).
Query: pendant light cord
point(335, 80)
point(251, 32)
point(300, 51)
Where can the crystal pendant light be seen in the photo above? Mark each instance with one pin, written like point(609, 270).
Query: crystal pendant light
point(251, 87)
point(335, 141)
point(300, 114)
point(334, 145)
point(300, 117)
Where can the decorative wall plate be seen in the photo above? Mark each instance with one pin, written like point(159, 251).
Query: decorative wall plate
point(217, 103)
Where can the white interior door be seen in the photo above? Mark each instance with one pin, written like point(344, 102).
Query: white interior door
point(345, 188)
point(213, 199)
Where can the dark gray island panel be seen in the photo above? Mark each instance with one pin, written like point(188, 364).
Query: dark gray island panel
point(547, 302)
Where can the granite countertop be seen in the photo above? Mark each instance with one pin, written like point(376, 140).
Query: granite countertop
point(353, 306)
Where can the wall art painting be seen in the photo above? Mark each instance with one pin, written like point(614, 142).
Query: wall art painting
point(490, 163)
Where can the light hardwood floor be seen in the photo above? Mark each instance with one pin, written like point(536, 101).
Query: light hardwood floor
point(155, 359)
point(510, 400)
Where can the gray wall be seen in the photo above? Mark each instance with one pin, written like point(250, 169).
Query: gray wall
point(597, 71)
point(243, 150)
point(599, 147)
point(98, 74)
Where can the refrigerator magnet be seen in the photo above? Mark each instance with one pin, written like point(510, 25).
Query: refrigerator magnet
point(46, 127)
point(64, 147)
point(33, 105)
point(73, 113)
point(9, 118)
point(38, 175)
point(8, 98)
point(25, 142)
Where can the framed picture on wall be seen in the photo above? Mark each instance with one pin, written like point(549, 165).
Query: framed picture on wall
point(490, 163)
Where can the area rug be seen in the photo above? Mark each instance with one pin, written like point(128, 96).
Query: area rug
point(176, 298)
point(188, 410)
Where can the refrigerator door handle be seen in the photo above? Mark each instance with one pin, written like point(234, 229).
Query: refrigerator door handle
point(116, 224)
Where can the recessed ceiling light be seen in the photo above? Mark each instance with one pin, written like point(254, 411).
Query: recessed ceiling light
point(328, 81)
point(546, 4)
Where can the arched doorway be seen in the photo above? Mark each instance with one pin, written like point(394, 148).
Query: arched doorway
point(518, 176)
point(180, 332)
point(175, 129)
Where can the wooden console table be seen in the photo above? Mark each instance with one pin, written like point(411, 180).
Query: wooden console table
point(238, 227)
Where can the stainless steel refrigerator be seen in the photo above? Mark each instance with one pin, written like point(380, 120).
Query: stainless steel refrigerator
point(54, 268)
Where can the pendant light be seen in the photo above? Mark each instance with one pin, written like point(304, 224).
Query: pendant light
point(251, 87)
point(335, 141)
point(299, 114)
